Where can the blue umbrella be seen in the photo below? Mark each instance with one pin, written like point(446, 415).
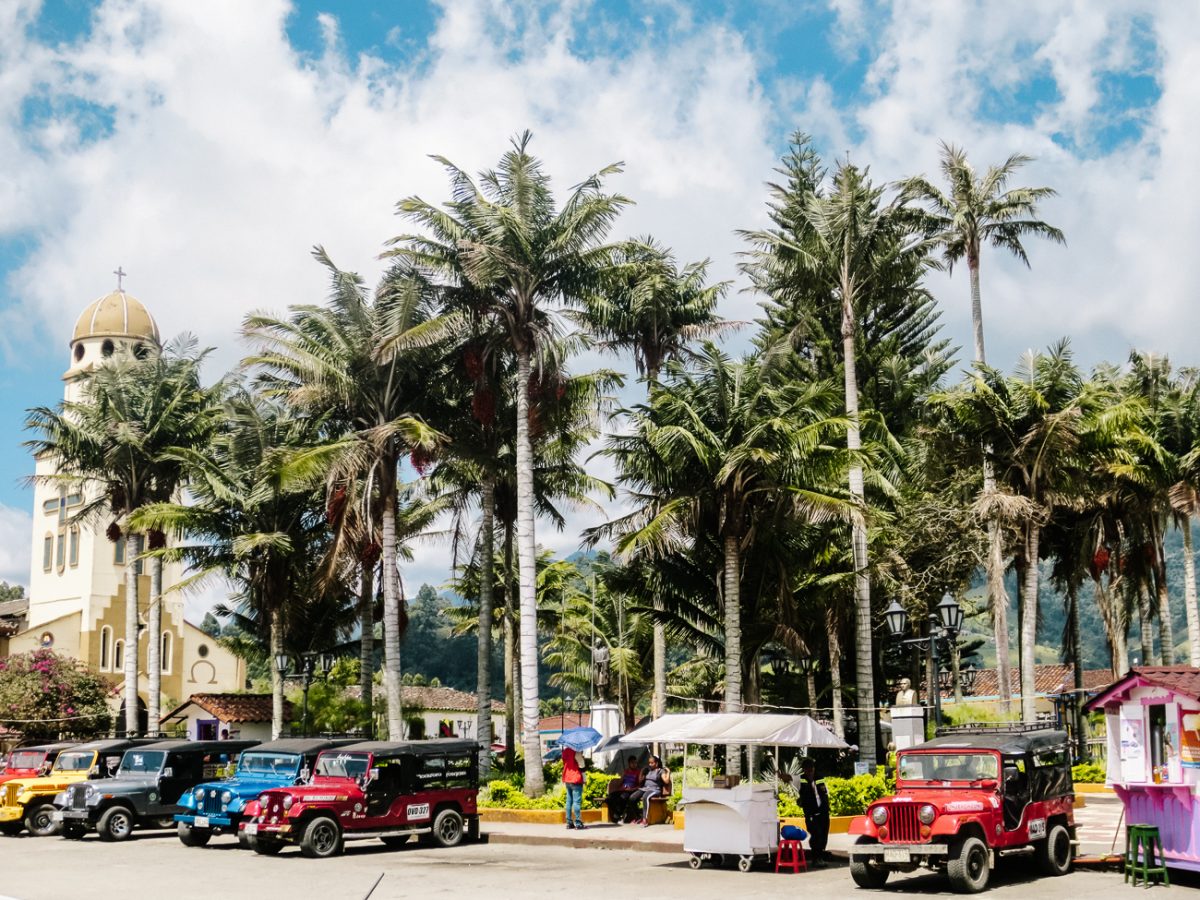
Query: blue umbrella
point(580, 738)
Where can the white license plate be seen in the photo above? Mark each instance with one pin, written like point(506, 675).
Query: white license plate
point(201, 822)
point(896, 855)
point(56, 816)
point(252, 828)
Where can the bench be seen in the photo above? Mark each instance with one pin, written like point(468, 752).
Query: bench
point(658, 813)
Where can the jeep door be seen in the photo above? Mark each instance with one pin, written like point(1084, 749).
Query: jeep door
point(382, 791)
point(182, 771)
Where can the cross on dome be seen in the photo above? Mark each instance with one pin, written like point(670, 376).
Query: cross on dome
point(120, 274)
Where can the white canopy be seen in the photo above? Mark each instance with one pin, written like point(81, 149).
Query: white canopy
point(765, 729)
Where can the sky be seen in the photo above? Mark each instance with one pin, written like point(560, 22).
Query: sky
point(207, 147)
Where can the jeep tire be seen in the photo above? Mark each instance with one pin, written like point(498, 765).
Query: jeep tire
point(1054, 854)
point(116, 824)
point(322, 838)
point(190, 836)
point(40, 820)
point(447, 828)
point(867, 874)
point(968, 867)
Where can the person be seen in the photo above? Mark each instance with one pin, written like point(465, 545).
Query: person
point(656, 782)
point(621, 790)
point(814, 801)
point(573, 778)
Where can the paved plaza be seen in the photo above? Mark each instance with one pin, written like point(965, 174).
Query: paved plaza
point(518, 861)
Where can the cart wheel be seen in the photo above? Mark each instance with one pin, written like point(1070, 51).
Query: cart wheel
point(744, 863)
point(695, 862)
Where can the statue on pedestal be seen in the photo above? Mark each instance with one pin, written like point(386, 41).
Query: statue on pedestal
point(600, 658)
point(905, 695)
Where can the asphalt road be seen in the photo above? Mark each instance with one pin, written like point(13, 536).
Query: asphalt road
point(155, 864)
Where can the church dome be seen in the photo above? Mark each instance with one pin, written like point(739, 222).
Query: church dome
point(116, 315)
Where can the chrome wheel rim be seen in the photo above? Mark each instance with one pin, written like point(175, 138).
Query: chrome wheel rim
point(324, 838)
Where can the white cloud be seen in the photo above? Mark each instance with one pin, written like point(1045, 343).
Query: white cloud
point(15, 527)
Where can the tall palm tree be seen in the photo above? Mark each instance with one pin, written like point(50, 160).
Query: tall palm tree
point(521, 253)
point(114, 441)
point(1185, 494)
point(979, 211)
point(363, 356)
point(653, 309)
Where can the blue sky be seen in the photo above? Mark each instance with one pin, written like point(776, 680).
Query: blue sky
point(207, 147)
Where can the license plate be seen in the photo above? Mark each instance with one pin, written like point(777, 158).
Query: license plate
point(896, 855)
point(56, 816)
point(201, 822)
point(252, 828)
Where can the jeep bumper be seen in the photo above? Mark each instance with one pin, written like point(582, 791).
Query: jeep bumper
point(79, 816)
point(898, 854)
point(11, 813)
point(280, 830)
point(209, 821)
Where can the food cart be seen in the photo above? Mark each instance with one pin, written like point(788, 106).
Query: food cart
point(733, 818)
point(1153, 719)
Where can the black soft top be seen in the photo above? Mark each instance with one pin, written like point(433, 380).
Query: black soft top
point(393, 749)
point(302, 746)
point(50, 749)
point(233, 747)
point(112, 745)
point(1014, 744)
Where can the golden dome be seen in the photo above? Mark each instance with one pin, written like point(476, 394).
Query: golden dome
point(116, 315)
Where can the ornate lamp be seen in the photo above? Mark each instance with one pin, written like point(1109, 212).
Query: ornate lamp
point(897, 618)
point(950, 614)
point(282, 662)
point(806, 665)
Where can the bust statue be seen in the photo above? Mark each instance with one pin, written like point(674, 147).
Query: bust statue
point(600, 657)
point(905, 695)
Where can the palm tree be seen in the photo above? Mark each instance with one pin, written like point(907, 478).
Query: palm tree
point(364, 357)
point(519, 252)
point(114, 440)
point(979, 211)
point(1185, 494)
point(654, 309)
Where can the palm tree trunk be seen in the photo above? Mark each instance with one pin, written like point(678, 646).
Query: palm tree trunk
point(1189, 594)
point(511, 680)
point(1145, 632)
point(658, 704)
point(483, 676)
point(976, 307)
point(154, 645)
point(1078, 699)
point(864, 665)
point(835, 673)
point(133, 549)
point(276, 675)
point(810, 683)
point(1029, 606)
point(733, 640)
point(998, 598)
point(527, 582)
point(366, 643)
point(391, 607)
point(1166, 627)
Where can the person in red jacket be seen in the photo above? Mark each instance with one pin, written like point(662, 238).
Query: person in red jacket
point(573, 778)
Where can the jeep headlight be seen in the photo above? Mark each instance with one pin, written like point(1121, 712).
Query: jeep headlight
point(226, 796)
point(91, 792)
point(287, 802)
point(879, 815)
point(263, 798)
point(926, 814)
point(198, 793)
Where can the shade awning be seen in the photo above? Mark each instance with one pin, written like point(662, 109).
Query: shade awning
point(766, 729)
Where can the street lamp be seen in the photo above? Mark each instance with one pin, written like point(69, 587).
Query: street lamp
point(307, 673)
point(944, 625)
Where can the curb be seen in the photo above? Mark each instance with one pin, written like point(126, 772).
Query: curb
point(545, 840)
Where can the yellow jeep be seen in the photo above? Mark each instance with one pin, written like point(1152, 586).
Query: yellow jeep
point(29, 802)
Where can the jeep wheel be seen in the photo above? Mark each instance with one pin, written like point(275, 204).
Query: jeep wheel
point(392, 841)
point(40, 820)
point(968, 869)
point(1055, 854)
point(867, 874)
point(73, 831)
point(322, 838)
point(447, 828)
point(264, 846)
point(193, 837)
point(115, 825)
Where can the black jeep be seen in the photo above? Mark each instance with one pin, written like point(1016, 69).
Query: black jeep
point(146, 788)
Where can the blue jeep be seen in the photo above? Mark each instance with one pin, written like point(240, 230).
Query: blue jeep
point(216, 806)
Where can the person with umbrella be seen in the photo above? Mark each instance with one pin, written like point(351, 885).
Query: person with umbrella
point(572, 777)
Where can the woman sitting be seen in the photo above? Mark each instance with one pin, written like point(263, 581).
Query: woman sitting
point(656, 782)
point(621, 790)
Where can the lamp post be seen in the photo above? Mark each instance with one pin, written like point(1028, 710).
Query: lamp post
point(944, 625)
point(307, 673)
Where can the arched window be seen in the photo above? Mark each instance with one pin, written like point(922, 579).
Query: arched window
point(73, 546)
point(119, 551)
point(106, 349)
point(119, 656)
point(60, 555)
point(48, 552)
point(78, 352)
point(165, 656)
point(105, 649)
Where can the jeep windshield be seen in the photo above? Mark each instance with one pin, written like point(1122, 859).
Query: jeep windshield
point(141, 761)
point(343, 765)
point(276, 764)
point(79, 761)
point(941, 767)
point(26, 759)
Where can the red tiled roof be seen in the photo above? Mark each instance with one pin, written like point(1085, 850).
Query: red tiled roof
point(1047, 679)
point(563, 722)
point(234, 707)
point(433, 698)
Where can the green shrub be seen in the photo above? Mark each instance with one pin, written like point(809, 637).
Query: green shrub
point(595, 788)
point(501, 794)
point(789, 806)
point(1088, 773)
point(851, 796)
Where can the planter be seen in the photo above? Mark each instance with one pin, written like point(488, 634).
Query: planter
point(537, 816)
point(837, 824)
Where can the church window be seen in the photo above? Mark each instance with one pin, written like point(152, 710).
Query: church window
point(73, 547)
point(60, 555)
point(202, 651)
point(141, 351)
point(118, 656)
point(48, 552)
point(78, 352)
point(50, 507)
point(165, 658)
point(105, 648)
point(119, 551)
point(106, 349)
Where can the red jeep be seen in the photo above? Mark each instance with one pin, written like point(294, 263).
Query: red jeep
point(375, 789)
point(963, 800)
point(30, 762)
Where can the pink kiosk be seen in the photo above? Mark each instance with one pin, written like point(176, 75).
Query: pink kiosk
point(1153, 718)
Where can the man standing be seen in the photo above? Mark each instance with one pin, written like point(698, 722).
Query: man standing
point(814, 801)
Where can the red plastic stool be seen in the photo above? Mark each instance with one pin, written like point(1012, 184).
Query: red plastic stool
point(791, 856)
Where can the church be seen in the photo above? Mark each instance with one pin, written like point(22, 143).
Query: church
point(76, 598)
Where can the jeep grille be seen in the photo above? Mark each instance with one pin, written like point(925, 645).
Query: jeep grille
point(78, 796)
point(210, 802)
point(902, 824)
point(9, 796)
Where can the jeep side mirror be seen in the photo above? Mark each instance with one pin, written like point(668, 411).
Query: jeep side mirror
point(989, 784)
point(167, 772)
point(373, 775)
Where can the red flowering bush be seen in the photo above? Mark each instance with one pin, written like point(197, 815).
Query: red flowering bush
point(44, 694)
